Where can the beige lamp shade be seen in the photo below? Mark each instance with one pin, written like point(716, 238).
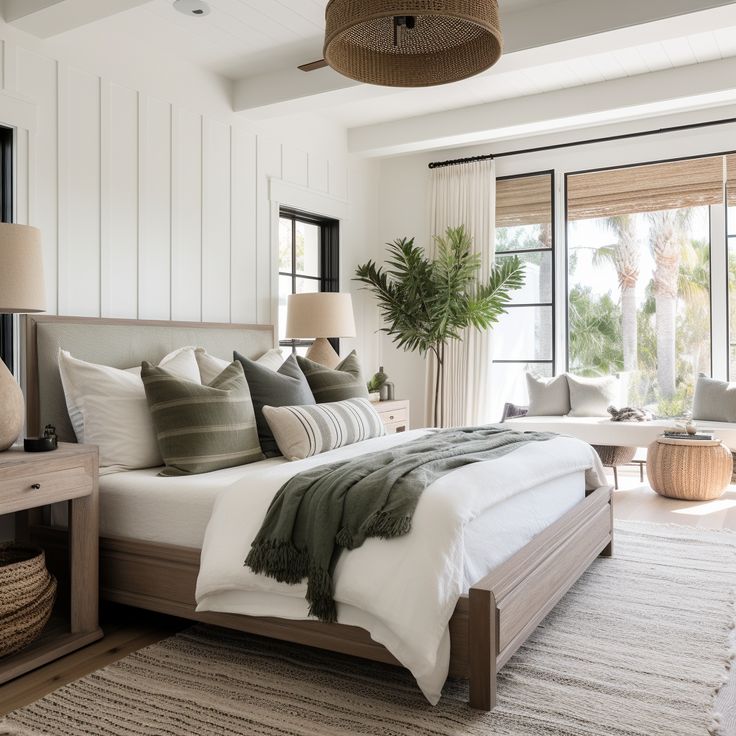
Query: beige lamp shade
point(21, 269)
point(325, 314)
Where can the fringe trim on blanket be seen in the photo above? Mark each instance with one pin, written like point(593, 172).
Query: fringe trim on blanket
point(386, 526)
point(280, 560)
point(320, 595)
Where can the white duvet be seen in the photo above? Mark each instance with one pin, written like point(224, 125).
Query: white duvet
point(402, 591)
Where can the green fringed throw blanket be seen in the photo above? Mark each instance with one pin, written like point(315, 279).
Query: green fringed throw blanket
point(321, 511)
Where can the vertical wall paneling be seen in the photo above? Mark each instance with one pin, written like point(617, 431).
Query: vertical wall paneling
point(79, 261)
point(62, 187)
point(147, 210)
point(243, 209)
point(37, 77)
point(186, 179)
point(216, 158)
point(295, 166)
point(9, 75)
point(269, 166)
point(119, 212)
point(319, 174)
point(338, 179)
point(155, 202)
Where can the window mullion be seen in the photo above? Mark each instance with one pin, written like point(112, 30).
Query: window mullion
point(719, 334)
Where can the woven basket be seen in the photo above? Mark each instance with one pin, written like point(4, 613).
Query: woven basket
point(691, 470)
point(27, 595)
point(613, 455)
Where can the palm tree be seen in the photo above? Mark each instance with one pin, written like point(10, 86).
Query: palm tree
point(594, 333)
point(624, 256)
point(668, 230)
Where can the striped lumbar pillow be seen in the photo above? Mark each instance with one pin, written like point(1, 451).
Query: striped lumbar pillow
point(345, 381)
point(202, 428)
point(303, 431)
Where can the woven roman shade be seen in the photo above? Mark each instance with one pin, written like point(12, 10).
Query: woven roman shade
point(648, 188)
point(524, 200)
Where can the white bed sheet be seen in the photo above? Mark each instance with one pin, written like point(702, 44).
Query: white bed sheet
point(140, 504)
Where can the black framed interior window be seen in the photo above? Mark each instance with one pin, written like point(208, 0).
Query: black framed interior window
point(308, 262)
point(6, 215)
point(524, 339)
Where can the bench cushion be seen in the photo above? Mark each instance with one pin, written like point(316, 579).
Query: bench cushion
point(602, 431)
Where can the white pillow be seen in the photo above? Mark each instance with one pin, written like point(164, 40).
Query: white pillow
point(303, 431)
point(548, 397)
point(591, 397)
point(108, 408)
point(714, 400)
point(210, 367)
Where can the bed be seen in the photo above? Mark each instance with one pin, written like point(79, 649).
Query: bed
point(149, 562)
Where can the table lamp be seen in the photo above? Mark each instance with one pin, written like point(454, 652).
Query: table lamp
point(21, 291)
point(322, 315)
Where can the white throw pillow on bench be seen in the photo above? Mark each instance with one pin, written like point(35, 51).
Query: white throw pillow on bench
point(548, 397)
point(591, 397)
point(714, 401)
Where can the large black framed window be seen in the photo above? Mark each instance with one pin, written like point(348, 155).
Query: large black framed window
point(6, 215)
point(524, 339)
point(309, 262)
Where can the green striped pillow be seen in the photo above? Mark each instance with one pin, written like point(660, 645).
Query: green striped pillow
point(343, 382)
point(202, 428)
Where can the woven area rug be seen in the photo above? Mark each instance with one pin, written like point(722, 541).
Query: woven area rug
point(639, 646)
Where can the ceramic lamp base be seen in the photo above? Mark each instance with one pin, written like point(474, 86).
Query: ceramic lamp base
point(11, 408)
point(323, 353)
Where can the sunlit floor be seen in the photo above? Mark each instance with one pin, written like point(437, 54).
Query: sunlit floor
point(637, 501)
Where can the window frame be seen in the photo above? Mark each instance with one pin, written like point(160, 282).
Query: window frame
point(566, 255)
point(7, 350)
point(329, 262)
point(552, 250)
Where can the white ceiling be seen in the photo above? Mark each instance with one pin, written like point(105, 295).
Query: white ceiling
point(238, 38)
point(242, 38)
point(551, 45)
point(500, 85)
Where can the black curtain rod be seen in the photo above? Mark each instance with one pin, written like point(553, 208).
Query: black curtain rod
point(588, 141)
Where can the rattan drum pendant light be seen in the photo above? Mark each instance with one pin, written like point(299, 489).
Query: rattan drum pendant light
point(412, 43)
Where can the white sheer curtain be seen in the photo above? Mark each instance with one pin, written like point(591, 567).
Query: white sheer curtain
point(465, 194)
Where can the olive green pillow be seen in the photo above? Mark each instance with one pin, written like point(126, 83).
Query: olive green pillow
point(343, 382)
point(200, 428)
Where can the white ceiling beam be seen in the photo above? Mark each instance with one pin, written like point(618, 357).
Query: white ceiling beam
point(671, 90)
point(552, 31)
point(46, 18)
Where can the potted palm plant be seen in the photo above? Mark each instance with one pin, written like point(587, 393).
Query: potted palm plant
point(426, 302)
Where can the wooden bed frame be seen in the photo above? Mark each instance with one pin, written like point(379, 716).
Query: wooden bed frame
point(487, 627)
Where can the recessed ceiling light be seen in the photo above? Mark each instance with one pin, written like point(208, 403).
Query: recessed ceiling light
point(192, 8)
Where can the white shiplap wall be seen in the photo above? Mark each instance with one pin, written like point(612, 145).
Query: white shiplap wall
point(150, 209)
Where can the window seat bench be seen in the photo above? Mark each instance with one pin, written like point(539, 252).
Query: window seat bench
point(603, 431)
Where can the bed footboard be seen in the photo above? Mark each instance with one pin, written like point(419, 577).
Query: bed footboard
point(507, 605)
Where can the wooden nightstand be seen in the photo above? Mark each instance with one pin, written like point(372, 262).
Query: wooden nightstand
point(394, 414)
point(31, 480)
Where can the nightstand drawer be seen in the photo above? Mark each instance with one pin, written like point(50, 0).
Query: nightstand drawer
point(30, 489)
point(395, 427)
point(394, 415)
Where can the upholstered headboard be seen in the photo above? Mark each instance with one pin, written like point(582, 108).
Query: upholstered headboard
point(118, 343)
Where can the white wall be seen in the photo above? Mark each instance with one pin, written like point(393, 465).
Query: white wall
point(404, 211)
point(154, 200)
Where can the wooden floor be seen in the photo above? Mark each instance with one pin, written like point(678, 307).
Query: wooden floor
point(127, 630)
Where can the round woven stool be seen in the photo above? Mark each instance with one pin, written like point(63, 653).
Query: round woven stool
point(691, 470)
